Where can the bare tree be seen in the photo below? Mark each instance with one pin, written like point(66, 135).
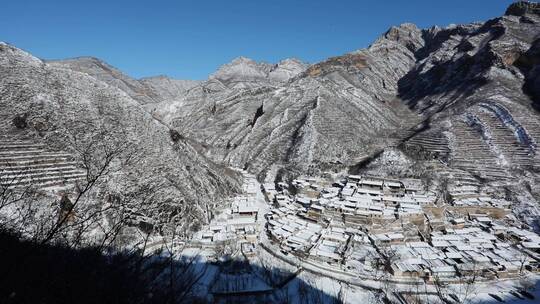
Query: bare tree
point(93, 214)
point(97, 158)
point(9, 192)
point(463, 292)
point(383, 260)
point(526, 283)
point(441, 288)
point(222, 248)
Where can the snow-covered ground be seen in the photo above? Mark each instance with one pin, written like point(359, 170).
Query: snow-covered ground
point(286, 277)
point(503, 289)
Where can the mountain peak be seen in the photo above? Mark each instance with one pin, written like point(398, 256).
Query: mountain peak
point(287, 69)
point(240, 70)
point(242, 60)
point(406, 34)
point(81, 59)
point(87, 64)
point(291, 61)
point(521, 8)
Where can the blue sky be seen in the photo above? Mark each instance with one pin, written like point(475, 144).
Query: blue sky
point(191, 39)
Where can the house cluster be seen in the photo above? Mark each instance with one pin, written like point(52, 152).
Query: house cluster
point(469, 194)
point(359, 200)
point(364, 224)
point(238, 222)
point(456, 253)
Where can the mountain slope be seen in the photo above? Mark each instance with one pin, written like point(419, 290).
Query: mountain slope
point(465, 91)
point(459, 103)
point(68, 110)
point(471, 82)
point(333, 113)
point(147, 91)
point(108, 74)
point(476, 86)
point(167, 88)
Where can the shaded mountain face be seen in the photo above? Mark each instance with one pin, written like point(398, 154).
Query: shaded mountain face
point(67, 110)
point(477, 87)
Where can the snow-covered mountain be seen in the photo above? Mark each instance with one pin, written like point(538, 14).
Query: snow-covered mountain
point(467, 93)
point(146, 90)
point(244, 73)
point(458, 103)
point(335, 113)
point(67, 110)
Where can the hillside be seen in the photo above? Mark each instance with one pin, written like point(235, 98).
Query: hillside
point(146, 90)
point(455, 105)
point(334, 113)
point(473, 83)
point(66, 110)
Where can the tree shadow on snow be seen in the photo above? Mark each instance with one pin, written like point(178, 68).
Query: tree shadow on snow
point(55, 274)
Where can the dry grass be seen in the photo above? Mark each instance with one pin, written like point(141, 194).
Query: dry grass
point(348, 61)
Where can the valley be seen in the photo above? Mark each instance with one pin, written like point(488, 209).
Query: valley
point(404, 172)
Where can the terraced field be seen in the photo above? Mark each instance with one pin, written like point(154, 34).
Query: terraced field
point(25, 162)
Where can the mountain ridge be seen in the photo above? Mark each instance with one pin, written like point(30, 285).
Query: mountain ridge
point(73, 111)
point(465, 95)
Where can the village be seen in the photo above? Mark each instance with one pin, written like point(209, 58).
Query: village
point(235, 230)
point(372, 227)
point(367, 232)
